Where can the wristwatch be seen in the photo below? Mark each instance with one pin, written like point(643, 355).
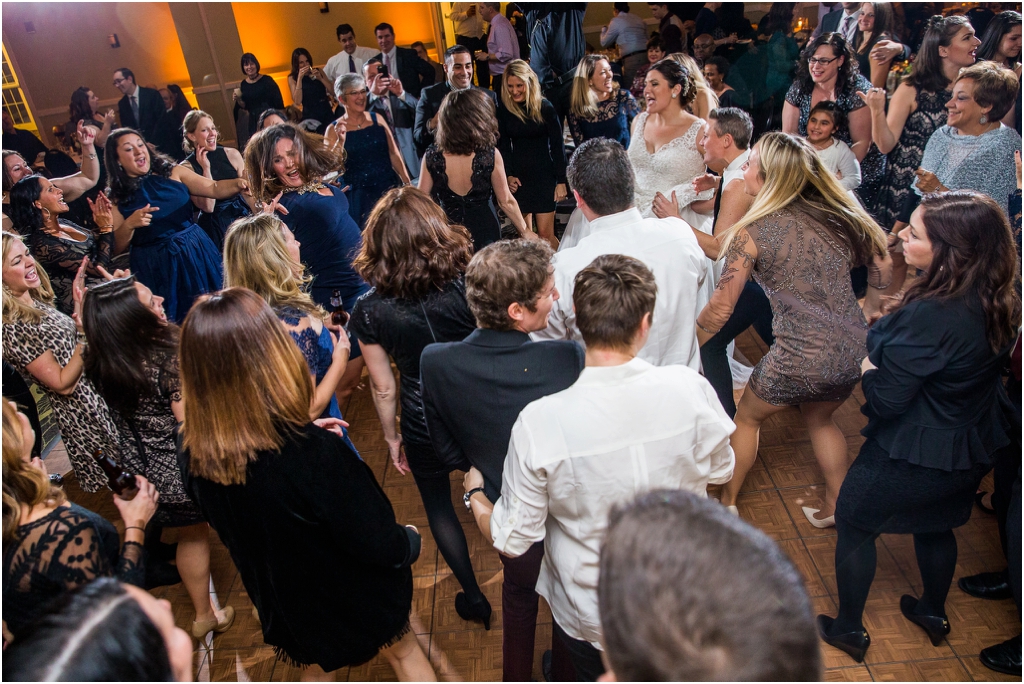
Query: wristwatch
point(466, 497)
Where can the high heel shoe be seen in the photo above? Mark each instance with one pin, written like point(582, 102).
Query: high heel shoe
point(734, 510)
point(935, 626)
point(478, 610)
point(200, 628)
point(854, 644)
point(820, 523)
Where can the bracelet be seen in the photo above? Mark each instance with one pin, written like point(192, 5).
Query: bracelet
point(91, 156)
point(135, 527)
point(709, 332)
point(109, 225)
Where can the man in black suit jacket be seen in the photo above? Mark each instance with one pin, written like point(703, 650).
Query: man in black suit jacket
point(147, 102)
point(412, 71)
point(473, 392)
point(458, 69)
point(841, 20)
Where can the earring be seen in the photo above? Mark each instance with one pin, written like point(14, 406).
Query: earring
point(983, 120)
point(674, 96)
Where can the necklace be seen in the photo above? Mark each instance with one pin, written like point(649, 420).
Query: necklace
point(309, 186)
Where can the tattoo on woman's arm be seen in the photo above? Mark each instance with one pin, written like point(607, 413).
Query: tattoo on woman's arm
point(736, 257)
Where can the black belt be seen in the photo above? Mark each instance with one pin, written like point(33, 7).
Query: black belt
point(638, 52)
point(564, 78)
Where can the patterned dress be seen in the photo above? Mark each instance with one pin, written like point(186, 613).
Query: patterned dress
point(613, 120)
point(82, 416)
point(148, 442)
point(905, 158)
point(62, 257)
point(872, 167)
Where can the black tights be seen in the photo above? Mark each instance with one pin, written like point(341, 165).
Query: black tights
point(855, 570)
point(436, 493)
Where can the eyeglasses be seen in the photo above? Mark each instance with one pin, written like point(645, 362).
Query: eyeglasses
point(819, 60)
point(119, 81)
point(364, 91)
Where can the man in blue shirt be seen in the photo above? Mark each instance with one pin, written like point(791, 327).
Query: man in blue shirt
point(629, 33)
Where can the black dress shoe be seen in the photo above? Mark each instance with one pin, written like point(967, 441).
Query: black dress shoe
point(478, 610)
point(936, 626)
point(1004, 657)
point(994, 586)
point(979, 499)
point(855, 644)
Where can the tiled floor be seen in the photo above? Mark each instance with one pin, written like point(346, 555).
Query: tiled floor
point(785, 477)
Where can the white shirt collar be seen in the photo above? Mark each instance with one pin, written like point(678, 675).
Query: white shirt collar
point(737, 162)
point(608, 376)
point(391, 55)
point(612, 221)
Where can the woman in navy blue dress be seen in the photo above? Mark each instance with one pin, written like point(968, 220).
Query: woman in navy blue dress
point(285, 167)
point(600, 109)
point(153, 214)
point(373, 162)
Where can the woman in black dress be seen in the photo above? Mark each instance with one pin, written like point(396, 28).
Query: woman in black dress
point(311, 532)
point(215, 162)
point(131, 358)
point(937, 409)
point(876, 22)
point(533, 149)
point(255, 94)
point(462, 168)
point(310, 88)
point(415, 262)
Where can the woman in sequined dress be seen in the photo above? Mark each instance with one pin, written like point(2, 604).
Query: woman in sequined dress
point(800, 251)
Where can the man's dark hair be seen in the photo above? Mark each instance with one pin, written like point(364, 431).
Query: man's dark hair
point(601, 173)
point(611, 297)
point(384, 26)
point(456, 50)
point(735, 122)
point(689, 592)
point(505, 272)
point(343, 29)
point(622, 7)
point(127, 73)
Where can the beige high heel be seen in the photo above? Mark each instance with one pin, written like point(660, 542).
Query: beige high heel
point(200, 628)
point(821, 523)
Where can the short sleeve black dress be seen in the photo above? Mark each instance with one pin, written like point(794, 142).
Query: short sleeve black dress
point(403, 327)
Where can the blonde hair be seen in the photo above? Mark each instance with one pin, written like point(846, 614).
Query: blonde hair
point(794, 175)
point(14, 309)
point(584, 103)
point(190, 124)
point(24, 484)
point(697, 81)
point(255, 257)
point(529, 110)
point(233, 345)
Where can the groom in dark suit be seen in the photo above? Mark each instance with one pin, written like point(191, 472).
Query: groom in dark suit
point(140, 108)
point(412, 71)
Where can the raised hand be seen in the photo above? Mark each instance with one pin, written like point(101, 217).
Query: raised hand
point(874, 99)
point(86, 134)
point(202, 156)
point(78, 292)
point(302, 72)
point(119, 273)
point(109, 116)
point(138, 511)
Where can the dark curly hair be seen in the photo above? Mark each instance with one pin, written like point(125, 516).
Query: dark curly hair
point(973, 253)
point(848, 71)
point(409, 249)
point(120, 185)
point(26, 217)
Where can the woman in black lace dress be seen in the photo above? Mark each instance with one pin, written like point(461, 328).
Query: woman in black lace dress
point(917, 109)
point(416, 301)
point(58, 244)
point(462, 168)
point(52, 545)
point(132, 360)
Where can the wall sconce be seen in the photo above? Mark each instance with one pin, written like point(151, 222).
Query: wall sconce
point(324, 9)
point(114, 42)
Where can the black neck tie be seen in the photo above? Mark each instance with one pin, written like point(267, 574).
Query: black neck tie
point(351, 65)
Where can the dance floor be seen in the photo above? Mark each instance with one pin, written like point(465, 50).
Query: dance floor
point(785, 477)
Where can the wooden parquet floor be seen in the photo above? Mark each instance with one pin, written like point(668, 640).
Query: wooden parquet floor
point(785, 477)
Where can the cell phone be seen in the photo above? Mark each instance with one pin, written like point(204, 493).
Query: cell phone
point(384, 72)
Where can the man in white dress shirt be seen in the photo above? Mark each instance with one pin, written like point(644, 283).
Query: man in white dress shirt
point(625, 427)
point(351, 58)
point(602, 181)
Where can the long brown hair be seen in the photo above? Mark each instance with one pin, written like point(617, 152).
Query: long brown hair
point(232, 345)
point(24, 484)
point(973, 253)
point(315, 159)
point(466, 122)
point(409, 248)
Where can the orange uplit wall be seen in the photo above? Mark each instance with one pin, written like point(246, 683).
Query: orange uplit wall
point(69, 49)
point(271, 30)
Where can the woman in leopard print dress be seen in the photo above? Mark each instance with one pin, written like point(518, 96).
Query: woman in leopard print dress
point(43, 345)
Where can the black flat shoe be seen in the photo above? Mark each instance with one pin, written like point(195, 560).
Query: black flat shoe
point(994, 586)
point(854, 644)
point(479, 610)
point(935, 626)
point(1004, 657)
point(979, 499)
